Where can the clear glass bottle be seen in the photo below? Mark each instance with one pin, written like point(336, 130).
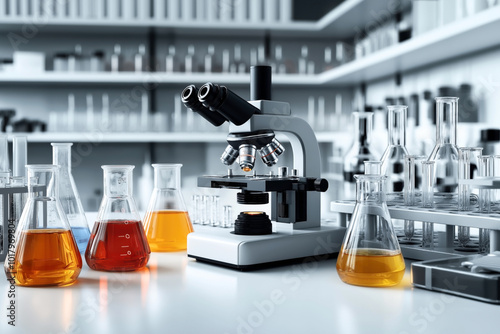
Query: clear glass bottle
point(359, 152)
point(45, 252)
point(370, 253)
point(393, 159)
point(445, 152)
point(167, 222)
point(68, 195)
point(118, 241)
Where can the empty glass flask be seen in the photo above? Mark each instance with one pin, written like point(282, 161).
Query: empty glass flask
point(370, 253)
point(68, 195)
point(117, 242)
point(45, 251)
point(167, 220)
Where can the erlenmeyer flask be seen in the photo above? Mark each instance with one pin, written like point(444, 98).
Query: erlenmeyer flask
point(370, 254)
point(445, 153)
point(393, 158)
point(117, 242)
point(359, 151)
point(68, 195)
point(167, 221)
point(45, 250)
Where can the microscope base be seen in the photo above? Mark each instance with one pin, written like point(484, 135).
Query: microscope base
point(220, 246)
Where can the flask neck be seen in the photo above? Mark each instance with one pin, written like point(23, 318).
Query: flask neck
point(370, 189)
point(446, 122)
point(61, 156)
point(167, 176)
point(397, 125)
point(118, 181)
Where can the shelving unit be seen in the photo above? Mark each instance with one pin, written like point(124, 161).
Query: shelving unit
point(151, 137)
point(441, 44)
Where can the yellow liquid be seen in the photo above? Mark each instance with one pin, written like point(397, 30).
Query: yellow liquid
point(46, 257)
point(371, 267)
point(167, 230)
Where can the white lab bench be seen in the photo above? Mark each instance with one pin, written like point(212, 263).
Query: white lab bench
point(176, 294)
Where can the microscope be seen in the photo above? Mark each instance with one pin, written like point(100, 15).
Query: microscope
point(294, 230)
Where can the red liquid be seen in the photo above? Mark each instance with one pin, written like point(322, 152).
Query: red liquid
point(117, 245)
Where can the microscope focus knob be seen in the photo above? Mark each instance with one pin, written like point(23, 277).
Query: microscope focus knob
point(321, 185)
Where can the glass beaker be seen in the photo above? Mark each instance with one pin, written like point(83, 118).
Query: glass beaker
point(118, 241)
point(359, 151)
point(45, 252)
point(167, 222)
point(393, 158)
point(369, 257)
point(68, 195)
point(445, 152)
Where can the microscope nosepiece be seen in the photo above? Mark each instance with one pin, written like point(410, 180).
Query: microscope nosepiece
point(229, 156)
point(246, 158)
point(271, 151)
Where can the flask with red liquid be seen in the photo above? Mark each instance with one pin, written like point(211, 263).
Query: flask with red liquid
point(167, 221)
point(45, 252)
point(118, 241)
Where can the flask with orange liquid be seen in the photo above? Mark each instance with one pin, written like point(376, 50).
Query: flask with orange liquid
point(167, 221)
point(370, 254)
point(117, 241)
point(45, 251)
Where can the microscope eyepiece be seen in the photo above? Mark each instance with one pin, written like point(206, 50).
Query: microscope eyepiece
point(190, 99)
point(228, 104)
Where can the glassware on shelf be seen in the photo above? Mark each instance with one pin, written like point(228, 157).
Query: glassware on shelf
point(45, 252)
point(411, 191)
point(359, 151)
point(167, 222)
point(116, 61)
point(140, 59)
point(393, 158)
point(68, 195)
point(118, 241)
point(370, 254)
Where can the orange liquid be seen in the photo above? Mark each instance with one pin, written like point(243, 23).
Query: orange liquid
point(371, 267)
point(167, 230)
point(46, 257)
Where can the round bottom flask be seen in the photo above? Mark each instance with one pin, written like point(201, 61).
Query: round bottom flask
point(370, 254)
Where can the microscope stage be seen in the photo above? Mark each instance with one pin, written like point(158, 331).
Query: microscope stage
point(220, 246)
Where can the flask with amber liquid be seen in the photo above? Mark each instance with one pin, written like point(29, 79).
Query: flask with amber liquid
point(167, 221)
point(370, 254)
point(45, 251)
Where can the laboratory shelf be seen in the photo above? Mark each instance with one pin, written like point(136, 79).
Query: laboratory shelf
point(337, 23)
point(466, 36)
point(97, 137)
point(144, 78)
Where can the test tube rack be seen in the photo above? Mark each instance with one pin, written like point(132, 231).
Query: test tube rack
point(448, 217)
point(10, 214)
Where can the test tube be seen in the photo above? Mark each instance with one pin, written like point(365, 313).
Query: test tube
point(204, 210)
point(464, 173)
point(496, 173)
point(195, 214)
point(214, 210)
point(227, 219)
point(428, 180)
point(20, 156)
point(4, 154)
point(485, 168)
point(410, 191)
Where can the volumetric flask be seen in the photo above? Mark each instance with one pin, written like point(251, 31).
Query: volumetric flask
point(117, 242)
point(68, 195)
point(45, 251)
point(370, 254)
point(167, 220)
